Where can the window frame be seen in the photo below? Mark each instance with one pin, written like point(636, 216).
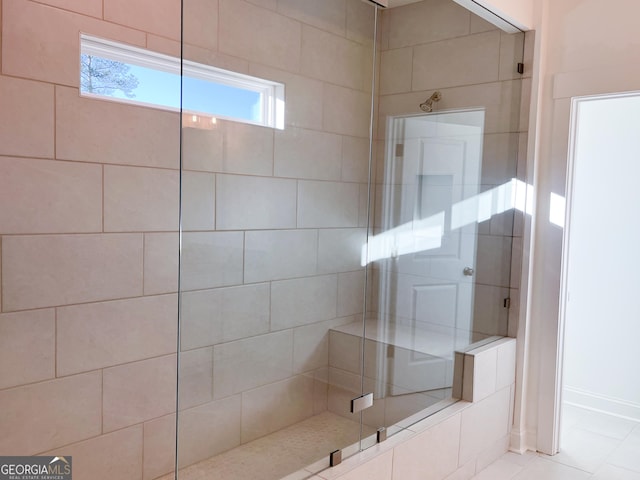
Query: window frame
point(272, 93)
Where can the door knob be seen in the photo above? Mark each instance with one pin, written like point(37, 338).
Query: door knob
point(468, 272)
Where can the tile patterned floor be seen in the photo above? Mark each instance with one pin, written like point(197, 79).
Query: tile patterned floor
point(594, 446)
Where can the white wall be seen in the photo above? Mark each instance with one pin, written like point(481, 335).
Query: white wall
point(581, 48)
point(601, 323)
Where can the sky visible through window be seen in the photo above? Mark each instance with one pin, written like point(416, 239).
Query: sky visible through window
point(163, 88)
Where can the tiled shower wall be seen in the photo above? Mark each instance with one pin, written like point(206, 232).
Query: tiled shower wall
point(89, 191)
point(436, 45)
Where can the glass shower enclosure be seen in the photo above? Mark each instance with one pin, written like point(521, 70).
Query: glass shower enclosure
point(335, 257)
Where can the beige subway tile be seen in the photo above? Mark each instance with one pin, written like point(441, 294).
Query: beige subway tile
point(207, 430)
point(47, 415)
point(327, 204)
point(221, 315)
point(311, 345)
point(140, 199)
point(493, 260)
point(307, 154)
point(329, 15)
point(27, 347)
point(499, 158)
point(199, 22)
point(355, 159)
point(248, 149)
point(202, 149)
point(280, 254)
point(159, 447)
point(346, 111)
point(430, 455)
point(42, 271)
point(255, 203)
point(252, 362)
point(42, 196)
point(303, 301)
point(425, 22)
point(462, 61)
point(332, 58)
point(195, 379)
point(138, 391)
point(483, 424)
point(160, 17)
point(395, 70)
point(161, 253)
point(378, 468)
point(198, 201)
point(253, 33)
point(211, 259)
point(125, 134)
point(90, 7)
point(340, 249)
point(99, 335)
point(511, 50)
point(276, 406)
point(303, 105)
point(350, 293)
point(361, 22)
point(345, 353)
point(42, 43)
point(115, 455)
point(26, 118)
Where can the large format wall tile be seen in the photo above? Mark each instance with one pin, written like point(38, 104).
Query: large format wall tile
point(99, 335)
point(114, 455)
point(140, 199)
point(244, 203)
point(159, 447)
point(307, 154)
point(275, 255)
point(275, 406)
point(125, 134)
point(346, 111)
point(88, 7)
point(42, 196)
point(198, 440)
point(248, 149)
point(202, 149)
point(340, 249)
point(430, 455)
point(161, 253)
point(311, 344)
point(195, 379)
point(462, 61)
point(332, 58)
point(257, 34)
point(425, 22)
point(252, 362)
point(26, 118)
point(27, 347)
point(329, 15)
point(211, 259)
point(303, 301)
point(327, 204)
point(138, 391)
point(221, 315)
point(154, 16)
point(43, 43)
point(47, 415)
point(198, 201)
point(43, 271)
point(395, 70)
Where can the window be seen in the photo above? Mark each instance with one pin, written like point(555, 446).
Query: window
point(129, 74)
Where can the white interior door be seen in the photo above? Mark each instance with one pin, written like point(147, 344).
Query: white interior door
point(428, 285)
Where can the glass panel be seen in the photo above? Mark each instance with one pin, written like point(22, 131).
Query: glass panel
point(273, 223)
point(445, 196)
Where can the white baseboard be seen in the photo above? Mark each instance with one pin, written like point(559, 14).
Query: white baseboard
point(522, 441)
point(601, 403)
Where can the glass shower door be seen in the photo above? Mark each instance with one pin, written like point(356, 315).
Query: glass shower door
point(425, 259)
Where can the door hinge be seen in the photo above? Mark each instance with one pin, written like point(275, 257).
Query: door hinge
point(362, 402)
point(520, 68)
point(507, 303)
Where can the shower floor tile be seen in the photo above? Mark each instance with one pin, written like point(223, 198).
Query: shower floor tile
point(279, 454)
